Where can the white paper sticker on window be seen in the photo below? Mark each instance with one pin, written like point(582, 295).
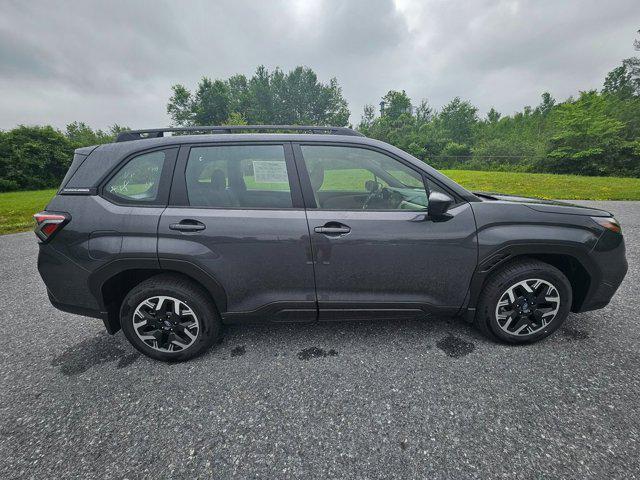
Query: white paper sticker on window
point(270, 171)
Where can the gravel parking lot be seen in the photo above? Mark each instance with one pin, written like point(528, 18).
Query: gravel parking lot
point(349, 400)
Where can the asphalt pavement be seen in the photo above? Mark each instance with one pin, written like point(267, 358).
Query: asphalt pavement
point(409, 399)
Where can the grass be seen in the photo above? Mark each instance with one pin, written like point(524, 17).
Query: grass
point(16, 208)
point(544, 185)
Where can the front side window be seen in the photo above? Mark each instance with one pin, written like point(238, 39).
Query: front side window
point(240, 176)
point(352, 178)
point(139, 179)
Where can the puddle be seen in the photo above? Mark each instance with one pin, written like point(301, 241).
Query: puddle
point(128, 359)
point(101, 349)
point(455, 347)
point(574, 334)
point(238, 351)
point(315, 352)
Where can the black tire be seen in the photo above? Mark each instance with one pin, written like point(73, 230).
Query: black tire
point(184, 290)
point(486, 319)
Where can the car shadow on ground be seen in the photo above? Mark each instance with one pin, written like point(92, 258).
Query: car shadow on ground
point(306, 341)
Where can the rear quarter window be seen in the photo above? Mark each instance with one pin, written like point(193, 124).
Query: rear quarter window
point(138, 180)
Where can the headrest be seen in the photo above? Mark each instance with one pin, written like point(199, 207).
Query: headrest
point(218, 180)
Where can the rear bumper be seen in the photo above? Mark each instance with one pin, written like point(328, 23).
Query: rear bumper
point(112, 325)
point(66, 281)
point(68, 287)
point(76, 310)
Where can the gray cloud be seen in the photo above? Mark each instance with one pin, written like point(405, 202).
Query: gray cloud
point(108, 62)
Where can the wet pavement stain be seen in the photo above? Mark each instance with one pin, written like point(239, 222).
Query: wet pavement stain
point(455, 347)
point(315, 352)
point(238, 351)
point(574, 334)
point(128, 359)
point(92, 352)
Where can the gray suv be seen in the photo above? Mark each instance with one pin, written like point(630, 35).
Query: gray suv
point(170, 237)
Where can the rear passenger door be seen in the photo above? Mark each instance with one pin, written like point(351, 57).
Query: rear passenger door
point(236, 213)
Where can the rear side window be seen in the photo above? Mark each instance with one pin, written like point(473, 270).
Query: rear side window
point(139, 179)
point(240, 176)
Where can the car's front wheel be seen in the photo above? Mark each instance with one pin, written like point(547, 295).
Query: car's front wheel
point(169, 318)
point(523, 302)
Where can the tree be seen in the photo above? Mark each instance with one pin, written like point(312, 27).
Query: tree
point(33, 157)
point(546, 105)
point(396, 103)
point(296, 97)
point(493, 115)
point(368, 117)
point(587, 140)
point(180, 106)
point(424, 113)
point(458, 119)
point(81, 135)
point(239, 100)
point(235, 119)
point(211, 102)
point(260, 110)
point(209, 105)
point(624, 80)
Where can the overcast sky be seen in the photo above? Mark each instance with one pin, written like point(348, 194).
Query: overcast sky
point(114, 62)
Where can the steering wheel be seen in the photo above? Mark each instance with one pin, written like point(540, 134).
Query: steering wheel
point(375, 193)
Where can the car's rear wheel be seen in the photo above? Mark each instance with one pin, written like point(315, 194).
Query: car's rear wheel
point(523, 302)
point(169, 318)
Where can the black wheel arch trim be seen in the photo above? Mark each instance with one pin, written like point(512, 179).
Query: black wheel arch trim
point(507, 253)
point(99, 277)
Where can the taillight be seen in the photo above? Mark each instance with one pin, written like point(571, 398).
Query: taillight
point(48, 224)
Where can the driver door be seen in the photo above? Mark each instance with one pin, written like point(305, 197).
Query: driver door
point(376, 253)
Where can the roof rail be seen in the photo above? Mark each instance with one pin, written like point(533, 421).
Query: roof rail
point(159, 132)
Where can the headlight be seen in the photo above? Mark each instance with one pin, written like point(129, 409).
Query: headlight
point(609, 223)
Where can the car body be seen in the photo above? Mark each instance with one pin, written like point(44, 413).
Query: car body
point(270, 228)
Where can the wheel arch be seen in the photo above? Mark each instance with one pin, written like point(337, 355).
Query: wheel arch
point(111, 284)
point(582, 273)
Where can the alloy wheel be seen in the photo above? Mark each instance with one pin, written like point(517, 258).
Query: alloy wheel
point(527, 307)
point(166, 324)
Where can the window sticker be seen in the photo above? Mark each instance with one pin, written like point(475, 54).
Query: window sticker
point(270, 171)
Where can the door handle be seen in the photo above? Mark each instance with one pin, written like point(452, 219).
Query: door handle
point(333, 228)
point(188, 226)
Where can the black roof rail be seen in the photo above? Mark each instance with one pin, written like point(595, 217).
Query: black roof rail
point(159, 132)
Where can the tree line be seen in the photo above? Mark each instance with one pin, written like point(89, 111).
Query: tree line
point(35, 157)
point(595, 133)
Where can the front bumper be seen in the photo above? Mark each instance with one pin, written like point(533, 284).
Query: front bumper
point(610, 261)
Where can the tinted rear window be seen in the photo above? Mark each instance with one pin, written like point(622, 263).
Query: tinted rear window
point(139, 179)
point(241, 176)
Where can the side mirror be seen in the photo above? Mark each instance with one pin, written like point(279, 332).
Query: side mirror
point(438, 205)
